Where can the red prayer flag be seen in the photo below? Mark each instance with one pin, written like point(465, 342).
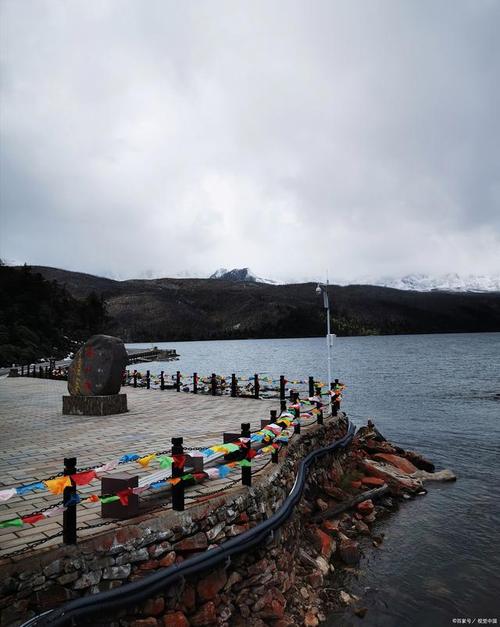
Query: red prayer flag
point(123, 495)
point(179, 460)
point(251, 453)
point(84, 478)
point(31, 520)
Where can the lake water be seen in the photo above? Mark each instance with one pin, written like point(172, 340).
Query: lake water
point(438, 395)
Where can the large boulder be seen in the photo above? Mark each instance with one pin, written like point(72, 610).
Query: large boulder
point(98, 366)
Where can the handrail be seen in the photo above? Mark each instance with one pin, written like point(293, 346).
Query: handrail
point(137, 591)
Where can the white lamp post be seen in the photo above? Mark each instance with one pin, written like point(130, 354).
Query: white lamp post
point(323, 289)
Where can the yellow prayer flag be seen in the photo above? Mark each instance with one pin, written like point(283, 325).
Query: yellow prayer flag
point(56, 486)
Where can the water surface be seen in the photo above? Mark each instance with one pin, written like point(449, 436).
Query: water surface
point(438, 395)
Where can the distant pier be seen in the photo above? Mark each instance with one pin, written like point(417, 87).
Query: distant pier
point(141, 355)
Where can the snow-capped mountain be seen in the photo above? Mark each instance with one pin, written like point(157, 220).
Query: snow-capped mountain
point(450, 282)
point(239, 274)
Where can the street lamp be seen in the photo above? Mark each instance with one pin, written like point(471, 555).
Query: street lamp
point(323, 289)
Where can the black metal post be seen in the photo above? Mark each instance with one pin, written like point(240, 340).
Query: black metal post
point(148, 380)
point(22, 371)
point(246, 471)
point(296, 428)
point(320, 415)
point(333, 402)
point(178, 381)
point(40, 372)
point(135, 378)
point(282, 393)
point(69, 514)
point(234, 386)
point(256, 385)
point(214, 384)
point(162, 381)
point(177, 471)
point(195, 383)
point(311, 386)
point(273, 415)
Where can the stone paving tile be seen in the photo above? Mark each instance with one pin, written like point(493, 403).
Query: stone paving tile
point(35, 437)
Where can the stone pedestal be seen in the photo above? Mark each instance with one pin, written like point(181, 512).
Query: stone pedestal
point(95, 405)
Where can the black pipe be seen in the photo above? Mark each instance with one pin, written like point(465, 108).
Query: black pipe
point(137, 591)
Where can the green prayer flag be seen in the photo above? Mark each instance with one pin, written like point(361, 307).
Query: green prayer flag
point(245, 462)
point(13, 522)
point(109, 499)
point(165, 461)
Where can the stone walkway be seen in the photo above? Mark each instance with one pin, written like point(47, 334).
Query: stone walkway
point(35, 437)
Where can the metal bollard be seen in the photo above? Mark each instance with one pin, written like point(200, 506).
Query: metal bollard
point(69, 494)
point(134, 376)
point(214, 384)
point(178, 381)
point(177, 471)
point(311, 386)
point(320, 415)
point(195, 383)
point(234, 386)
point(282, 393)
point(296, 428)
point(256, 385)
point(162, 380)
point(148, 380)
point(246, 471)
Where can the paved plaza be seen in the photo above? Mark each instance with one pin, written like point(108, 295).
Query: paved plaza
point(35, 438)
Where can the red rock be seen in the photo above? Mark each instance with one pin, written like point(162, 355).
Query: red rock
point(206, 615)
point(188, 598)
point(334, 492)
point(366, 507)
point(209, 586)
point(322, 542)
point(315, 579)
point(175, 619)
point(198, 542)
point(321, 505)
point(145, 622)
point(349, 552)
point(243, 518)
point(399, 462)
point(149, 565)
point(356, 484)
point(154, 607)
point(274, 609)
point(330, 526)
point(392, 476)
point(310, 620)
point(372, 481)
point(372, 446)
point(235, 530)
point(168, 560)
point(362, 527)
point(419, 461)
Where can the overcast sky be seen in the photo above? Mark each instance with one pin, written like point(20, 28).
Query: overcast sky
point(291, 137)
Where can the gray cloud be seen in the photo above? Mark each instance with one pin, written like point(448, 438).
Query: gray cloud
point(292, 137)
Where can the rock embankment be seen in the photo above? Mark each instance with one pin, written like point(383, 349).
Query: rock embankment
point(295, 577)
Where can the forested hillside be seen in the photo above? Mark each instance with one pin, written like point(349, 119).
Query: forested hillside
point(183, 309)
point(40, 318)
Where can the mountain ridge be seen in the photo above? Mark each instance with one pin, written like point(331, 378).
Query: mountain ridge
point(174, 309)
